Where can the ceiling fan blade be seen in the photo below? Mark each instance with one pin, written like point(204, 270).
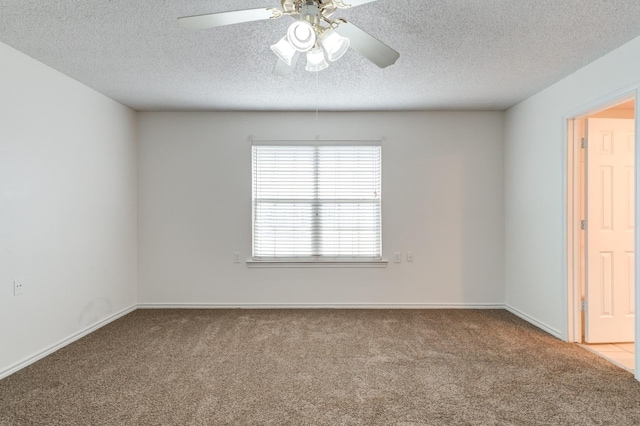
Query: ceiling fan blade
point(282, 69)
point(344, 4)
point(367, 45)
point(210, 20)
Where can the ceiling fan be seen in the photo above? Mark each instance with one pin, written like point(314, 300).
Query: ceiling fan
point(314, 32)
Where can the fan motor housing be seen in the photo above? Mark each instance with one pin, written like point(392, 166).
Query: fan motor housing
point(310, 11)
point(318, 8)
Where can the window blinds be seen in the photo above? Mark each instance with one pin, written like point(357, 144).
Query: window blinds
point(316, 202)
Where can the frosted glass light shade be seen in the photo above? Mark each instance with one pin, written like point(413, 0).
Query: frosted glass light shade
point(316, 61)
point(335, 45)
point(302, 36)
point(284, 50)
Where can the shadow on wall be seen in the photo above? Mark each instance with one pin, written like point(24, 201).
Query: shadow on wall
point(446, 218)
point(95, 311)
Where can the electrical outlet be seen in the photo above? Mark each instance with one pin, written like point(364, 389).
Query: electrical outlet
point(397, 257)
point(236, 257)
point(409, 256)
point(18, 288)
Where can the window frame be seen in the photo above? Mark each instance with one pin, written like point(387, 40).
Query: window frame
point(311, 261)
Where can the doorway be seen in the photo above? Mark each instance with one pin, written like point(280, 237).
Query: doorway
point(602, 220)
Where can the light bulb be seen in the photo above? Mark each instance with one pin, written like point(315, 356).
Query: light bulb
point(315, 60)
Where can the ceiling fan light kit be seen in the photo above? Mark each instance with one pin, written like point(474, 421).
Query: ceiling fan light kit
point(313, 32)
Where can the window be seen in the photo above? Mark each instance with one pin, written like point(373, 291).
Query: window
point(316, 202)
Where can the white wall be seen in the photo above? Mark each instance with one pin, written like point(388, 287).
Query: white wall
point(534, 192)
point(442, 199)
point(67, 208)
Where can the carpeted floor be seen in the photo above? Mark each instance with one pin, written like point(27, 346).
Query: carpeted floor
point(320, 367)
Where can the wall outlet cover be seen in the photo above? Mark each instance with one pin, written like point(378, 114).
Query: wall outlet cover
point(18, 288)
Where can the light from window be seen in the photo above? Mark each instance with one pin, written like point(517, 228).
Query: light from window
point(316, 202)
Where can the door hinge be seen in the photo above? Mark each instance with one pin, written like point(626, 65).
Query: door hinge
point(583, 224)
point(583, 143)
point(583, 306)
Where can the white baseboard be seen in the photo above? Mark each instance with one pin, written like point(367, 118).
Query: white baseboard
point(61, 344)
point(320, 306)
point(537, 323)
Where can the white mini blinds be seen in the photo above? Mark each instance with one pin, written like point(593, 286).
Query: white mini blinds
point(316, 201)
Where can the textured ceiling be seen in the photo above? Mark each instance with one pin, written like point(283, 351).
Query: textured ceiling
point(454, 54)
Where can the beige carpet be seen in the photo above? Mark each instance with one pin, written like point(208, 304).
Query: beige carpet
point(320, 367)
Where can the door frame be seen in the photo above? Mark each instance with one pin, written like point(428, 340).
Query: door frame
point(572, 201)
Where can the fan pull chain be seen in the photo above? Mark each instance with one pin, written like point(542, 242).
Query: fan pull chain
point(317, 100)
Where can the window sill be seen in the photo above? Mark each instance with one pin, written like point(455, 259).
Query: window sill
point(317, 263)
